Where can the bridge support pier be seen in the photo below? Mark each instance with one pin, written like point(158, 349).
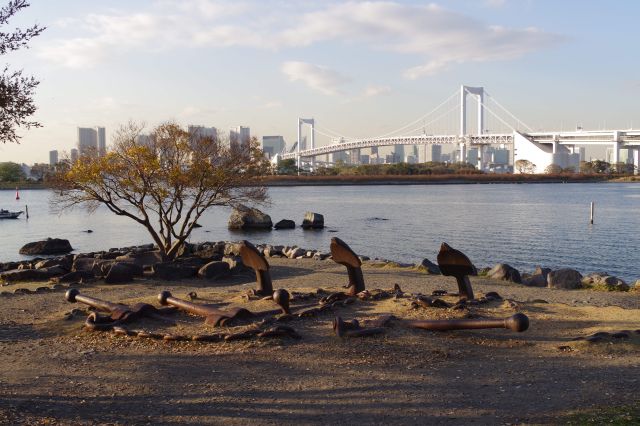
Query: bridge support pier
point(463, 152)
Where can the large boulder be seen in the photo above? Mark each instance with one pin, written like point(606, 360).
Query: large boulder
point(244, 217)
point(285, 224)
point(174, 271)
point(313, 221)
point(505, 272)
point(48, 246)
point(121, 272)
point(214, 270)
point(564, 278)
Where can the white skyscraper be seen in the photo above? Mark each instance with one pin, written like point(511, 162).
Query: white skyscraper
point(53, 157)
point(91, 140)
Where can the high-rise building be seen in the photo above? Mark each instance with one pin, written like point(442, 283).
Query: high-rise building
point(91, 140)
point(239, 137)
point(430, 153)
point(398, 154)
point(272, 145)
point(53, 157)
point(203, 131)
point(74, 155)
point(102, 141)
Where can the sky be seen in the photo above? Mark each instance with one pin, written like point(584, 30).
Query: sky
point(359, 68)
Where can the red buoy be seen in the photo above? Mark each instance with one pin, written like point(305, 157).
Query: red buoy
point(17, 194)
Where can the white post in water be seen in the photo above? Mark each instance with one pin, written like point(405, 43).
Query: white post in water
point(591, 215)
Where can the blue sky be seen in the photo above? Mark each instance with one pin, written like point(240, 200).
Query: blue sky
point(359, 68)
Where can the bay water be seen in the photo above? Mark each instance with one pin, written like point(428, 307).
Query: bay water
point(524, 225)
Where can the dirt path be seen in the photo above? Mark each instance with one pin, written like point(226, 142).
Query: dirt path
point(53, 372)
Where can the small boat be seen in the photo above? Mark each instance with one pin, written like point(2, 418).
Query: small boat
point(6, 214)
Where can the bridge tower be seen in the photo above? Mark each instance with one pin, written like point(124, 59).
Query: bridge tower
point(301, 122)
point(478, 92)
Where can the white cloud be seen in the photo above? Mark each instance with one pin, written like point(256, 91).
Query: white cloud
point(371, 91)
point(317, 77)
point(438, 36)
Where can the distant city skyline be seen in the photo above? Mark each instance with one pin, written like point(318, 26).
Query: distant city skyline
point(358, 68)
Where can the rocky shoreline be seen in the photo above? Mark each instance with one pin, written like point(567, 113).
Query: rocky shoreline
point(219, 260)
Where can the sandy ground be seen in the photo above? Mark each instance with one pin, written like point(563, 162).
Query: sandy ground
point(54, 372)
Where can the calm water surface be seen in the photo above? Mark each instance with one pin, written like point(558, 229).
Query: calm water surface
point(521, 224)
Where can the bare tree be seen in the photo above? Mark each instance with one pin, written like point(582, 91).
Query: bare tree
point(16, 90)
point(164, 181)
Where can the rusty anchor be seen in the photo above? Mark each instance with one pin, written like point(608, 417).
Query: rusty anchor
point(341, 253)
point(118, 313)
point(218, 317)
point(518, 322)
point(456, 264)
point(254, 260)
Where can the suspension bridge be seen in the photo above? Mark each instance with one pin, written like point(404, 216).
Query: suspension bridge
point(435, 128)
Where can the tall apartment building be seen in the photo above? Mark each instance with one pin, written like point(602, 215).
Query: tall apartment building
point(272, 145)
point(239, 137)
point(53, 157)
point(203, 131)
point(92, 140)
point(74, 155)
point(430, 153)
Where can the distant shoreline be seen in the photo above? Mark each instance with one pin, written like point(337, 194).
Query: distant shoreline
point(273, 181)
point(346, 180)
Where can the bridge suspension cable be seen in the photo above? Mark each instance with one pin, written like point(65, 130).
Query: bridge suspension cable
point(492, 99)
point(423, 117)
point(424, 125)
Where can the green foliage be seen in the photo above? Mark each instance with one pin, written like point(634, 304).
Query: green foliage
point(398, 169)
point(287, 167)
point(11, 172)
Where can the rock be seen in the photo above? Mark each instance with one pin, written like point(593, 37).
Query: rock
point(48, 246)
point(505, 272)
point(210, 252)
point(214, 270)
point(174, 271)
point(320, 256)
point(271, 251)
point(313, 221)
point(285, 224)
point(296, 252)
point(19, 275)
point(46, 263)
point(429, 267)
point(72, 277)
point(244, 217)
point(84, 264)
point(142, 259)
point(564, 278)
point(536, 281)
point(231, 249)
point(121, 273)
point(604, 281)
point(235, 264)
